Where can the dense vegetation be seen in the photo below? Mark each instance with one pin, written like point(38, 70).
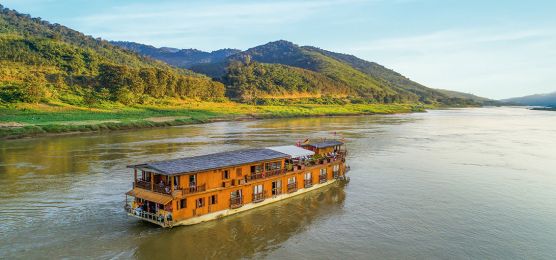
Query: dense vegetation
point(44, 62)
point(251, 80)
point(361, 81)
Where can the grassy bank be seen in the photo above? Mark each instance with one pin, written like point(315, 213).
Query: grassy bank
point(24, 120)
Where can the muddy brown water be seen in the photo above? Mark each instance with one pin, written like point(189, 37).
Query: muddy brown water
point(464, 183)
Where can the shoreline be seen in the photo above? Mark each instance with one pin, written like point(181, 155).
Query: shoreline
point(33, 131)
point(40, 120)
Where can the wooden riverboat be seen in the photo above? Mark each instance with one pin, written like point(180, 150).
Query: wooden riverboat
point(195, 189)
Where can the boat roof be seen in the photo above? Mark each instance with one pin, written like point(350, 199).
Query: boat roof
point(150, 196)
point(325, 144)
point(292, 150)
point(210, 161)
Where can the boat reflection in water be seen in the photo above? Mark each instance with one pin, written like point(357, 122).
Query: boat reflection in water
point(251, 233)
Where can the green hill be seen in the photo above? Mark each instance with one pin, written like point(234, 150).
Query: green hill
point(364, 80)
point(254, 80)
point(41, 61)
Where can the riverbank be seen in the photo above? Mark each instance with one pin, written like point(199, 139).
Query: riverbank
point(29, 120)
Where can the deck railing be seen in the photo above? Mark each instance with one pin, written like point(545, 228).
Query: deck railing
point(308, 183)
point(292, 187)
point(258, 197)
point(266, 174)
point(152, 217)
point(165, 189)
point(236, 202)
point(143, 184)
point(194, 188)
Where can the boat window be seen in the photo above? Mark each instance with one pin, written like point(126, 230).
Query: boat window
point(258, 189)
point(200, 202)
point(276, 187)
point(212, 200)
point(291, 180)
point(235, 194)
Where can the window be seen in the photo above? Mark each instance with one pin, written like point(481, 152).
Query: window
point(276, 187)
point(291, 180)
point(238, 172)
point(183, 204)
point(200, 202)
point(307, 176)
point(323, 171)
point(258, 189)
point(235, 194)
point(192, 180)
point(212, 200)
point(336, 167)
point(225, 174)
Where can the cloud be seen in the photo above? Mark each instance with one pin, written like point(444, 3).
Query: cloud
point(177, 20)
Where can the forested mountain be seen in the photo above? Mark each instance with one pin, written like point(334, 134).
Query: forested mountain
point(40, 60)
point(183, 58)
point(363, 79)
point(548, 100)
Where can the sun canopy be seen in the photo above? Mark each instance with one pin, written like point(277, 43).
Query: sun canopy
point(150, 196)
point(292, 150)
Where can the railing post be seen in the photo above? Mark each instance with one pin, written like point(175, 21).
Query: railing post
point(172, 184)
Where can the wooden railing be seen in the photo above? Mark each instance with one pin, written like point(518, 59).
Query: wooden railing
point(156, 188)
point(194, 188)
point(143, 184)
point(236, 202)
point(258, 197)
point(292, 187)
point(152, 217)
point(308, 183)
point(266, 174)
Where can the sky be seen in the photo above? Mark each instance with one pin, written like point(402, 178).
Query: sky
point(496, 49)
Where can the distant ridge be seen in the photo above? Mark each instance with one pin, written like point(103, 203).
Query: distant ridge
point(548, 100)
point(183, 58)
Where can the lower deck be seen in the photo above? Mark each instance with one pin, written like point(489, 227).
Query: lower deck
point(153, 218)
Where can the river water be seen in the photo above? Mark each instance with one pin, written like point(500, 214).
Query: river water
point(464, 183)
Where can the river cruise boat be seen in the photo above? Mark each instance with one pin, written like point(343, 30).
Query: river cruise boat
point(195, 189)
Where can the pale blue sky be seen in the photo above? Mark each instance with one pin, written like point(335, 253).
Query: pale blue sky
point(495, 49)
